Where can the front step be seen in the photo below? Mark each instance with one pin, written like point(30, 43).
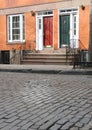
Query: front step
point(43, 58)
point(51, 51)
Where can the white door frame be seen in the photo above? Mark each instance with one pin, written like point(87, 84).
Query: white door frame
point(39, 28)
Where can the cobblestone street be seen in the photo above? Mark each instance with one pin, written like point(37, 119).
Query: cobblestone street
point(45, 101)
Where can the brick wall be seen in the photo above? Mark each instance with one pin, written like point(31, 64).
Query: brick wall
point(13, 8)
point(84, 27)
point(30, 22)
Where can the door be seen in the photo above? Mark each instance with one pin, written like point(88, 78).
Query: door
point(48, 31)
point(5, 57)
point(64, 30)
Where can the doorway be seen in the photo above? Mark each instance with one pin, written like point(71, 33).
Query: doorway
point(68, 28)
point(44, 30)
point(64, 30)
point(48, 31)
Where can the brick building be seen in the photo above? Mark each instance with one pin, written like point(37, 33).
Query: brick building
point(39, 24)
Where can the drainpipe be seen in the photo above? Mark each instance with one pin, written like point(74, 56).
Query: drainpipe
point(90, 40)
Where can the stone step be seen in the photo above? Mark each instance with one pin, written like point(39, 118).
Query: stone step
point(42, 58)
point(51, 50)
point(49, 62)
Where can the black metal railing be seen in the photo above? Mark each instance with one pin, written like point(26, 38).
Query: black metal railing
point(72, 51)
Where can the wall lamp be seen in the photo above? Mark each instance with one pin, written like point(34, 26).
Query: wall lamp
point(32, 13)
point(82, 7)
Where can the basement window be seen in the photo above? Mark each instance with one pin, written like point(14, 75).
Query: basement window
point(15, 28)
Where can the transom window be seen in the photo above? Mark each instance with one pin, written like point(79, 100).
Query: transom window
point(45, 13)
point(16, 29)
point(67, 11)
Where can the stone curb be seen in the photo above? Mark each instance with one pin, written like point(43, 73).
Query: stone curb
point(64, 72)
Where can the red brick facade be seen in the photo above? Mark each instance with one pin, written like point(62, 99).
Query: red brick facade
point(10, 7)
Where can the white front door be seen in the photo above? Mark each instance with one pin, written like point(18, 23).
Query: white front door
point(39, 38)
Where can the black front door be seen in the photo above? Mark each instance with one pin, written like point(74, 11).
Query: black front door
point(64, 30)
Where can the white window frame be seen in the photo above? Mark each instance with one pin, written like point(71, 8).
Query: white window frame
point(21, 27)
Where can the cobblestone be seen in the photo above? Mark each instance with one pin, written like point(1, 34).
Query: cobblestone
point(45, 102)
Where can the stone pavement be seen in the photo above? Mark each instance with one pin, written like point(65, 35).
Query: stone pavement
point(31, 101)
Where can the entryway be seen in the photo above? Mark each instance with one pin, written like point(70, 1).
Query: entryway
point(64, 30)
point(48, 31)
point(44, 32)
point(68, 28)
point(4, 57)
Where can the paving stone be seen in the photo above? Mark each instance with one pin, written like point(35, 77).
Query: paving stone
point(3, 125)
point(25, 117)
point(46, 103)
point(85, 120)
point(2, 120)
point(22, 113)
point(69, 117)
point(66, 112)
point(66, 126)
point(37, 119)
point(3, 116)
point(44, 115)
point(22, 123)
point(62, 121)
point(34, 127)
point(87, 126)
point(86, 105)
point(74, 128)
point(8, 127)
point(79, 125)
point(11, 115)
point(55, 127)
point(15, 128)
point(11, 119)
point(88, 115)
point(74, 112)
point(74, 120)
point(27, 125)
point(46, 125)
point(31, 129)
point(16, 122)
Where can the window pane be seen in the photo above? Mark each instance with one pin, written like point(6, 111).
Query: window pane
point(16, 31)
point(14, 25)
point(16, 37)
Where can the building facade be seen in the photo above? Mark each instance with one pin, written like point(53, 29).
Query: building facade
point(39, 24)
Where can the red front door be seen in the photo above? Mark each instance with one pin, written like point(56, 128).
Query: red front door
point(48, 31)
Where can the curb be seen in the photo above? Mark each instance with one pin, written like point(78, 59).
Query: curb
point(63, 72)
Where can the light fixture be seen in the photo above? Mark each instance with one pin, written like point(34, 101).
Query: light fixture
point(82, 7)
point(32, 13)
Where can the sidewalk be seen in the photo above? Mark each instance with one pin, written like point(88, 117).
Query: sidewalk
point(49, 69)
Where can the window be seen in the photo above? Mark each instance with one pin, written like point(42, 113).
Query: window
point(40, 23)
point(75, 24)
point(45, 13)
point(16, 28)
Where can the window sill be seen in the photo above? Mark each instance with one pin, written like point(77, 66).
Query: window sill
point(13, 43)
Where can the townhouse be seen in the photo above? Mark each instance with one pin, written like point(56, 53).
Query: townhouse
point(43, 24)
